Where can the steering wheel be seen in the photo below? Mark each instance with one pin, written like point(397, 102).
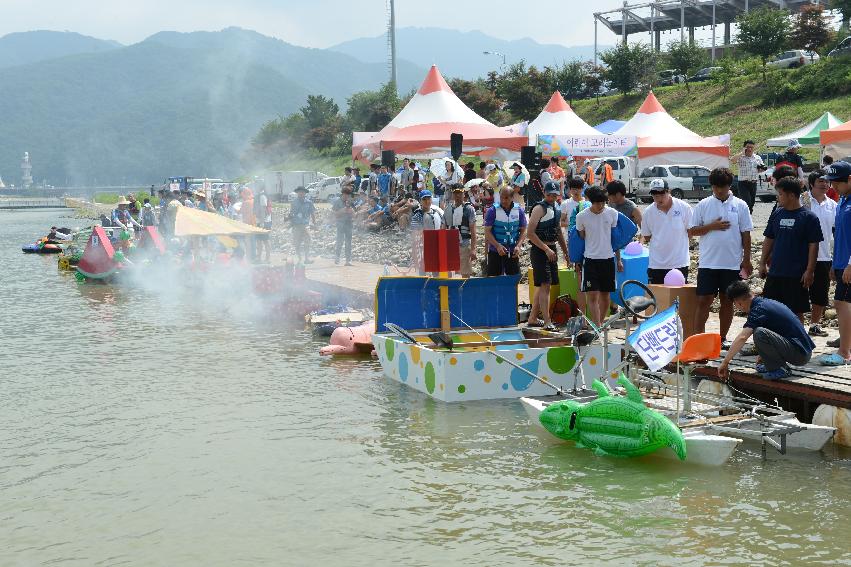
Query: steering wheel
point(637, 305)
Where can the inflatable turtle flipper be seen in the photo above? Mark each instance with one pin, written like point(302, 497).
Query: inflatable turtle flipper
point(632, 393)
point(600, 388)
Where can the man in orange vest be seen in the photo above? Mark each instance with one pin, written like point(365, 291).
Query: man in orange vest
point(589, 173)
point(608, 173)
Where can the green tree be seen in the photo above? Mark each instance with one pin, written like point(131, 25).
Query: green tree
point(525, 90)
point(572, 80)
point(811, 30)
point(844, 8)
point(370, 111)
point(629, 66)
point(594, 78)
point(763, 33)
point(685, 58)
point(728, 70)
point(319, 111)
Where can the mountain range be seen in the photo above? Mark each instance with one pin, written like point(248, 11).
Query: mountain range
point(459, 53)
point(93, 111)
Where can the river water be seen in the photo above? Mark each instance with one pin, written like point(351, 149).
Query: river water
point(147, 429)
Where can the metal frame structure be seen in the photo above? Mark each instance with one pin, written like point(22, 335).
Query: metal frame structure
point(668, 15)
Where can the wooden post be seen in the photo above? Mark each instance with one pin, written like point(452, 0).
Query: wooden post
point(445, 322)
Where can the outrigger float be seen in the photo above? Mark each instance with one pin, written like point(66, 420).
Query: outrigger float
point(459, 340)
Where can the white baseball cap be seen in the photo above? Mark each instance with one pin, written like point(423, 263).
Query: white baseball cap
point(658, 185)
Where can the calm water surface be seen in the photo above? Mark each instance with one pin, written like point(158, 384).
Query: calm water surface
point(137, 429)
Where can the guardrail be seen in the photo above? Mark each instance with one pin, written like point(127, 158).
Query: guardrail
point(46, 203)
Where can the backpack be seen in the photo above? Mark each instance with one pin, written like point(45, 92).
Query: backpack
point(564, 308)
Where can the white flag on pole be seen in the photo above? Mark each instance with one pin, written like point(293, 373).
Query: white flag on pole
point(657, 340)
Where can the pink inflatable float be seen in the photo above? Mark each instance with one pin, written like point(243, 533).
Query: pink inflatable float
point(350, 340)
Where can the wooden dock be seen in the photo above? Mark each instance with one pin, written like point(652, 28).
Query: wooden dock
point(810, 385)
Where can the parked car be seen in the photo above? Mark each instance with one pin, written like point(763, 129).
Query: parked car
point(793, 58)
point(681, 181)
point(623, 168)
point(704, 74)
point(327, 189)
point(844, 48)
point(670, 77)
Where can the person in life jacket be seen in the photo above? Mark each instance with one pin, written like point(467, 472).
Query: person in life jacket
point(461, 214)
point(588, 173)
point(544, 233)
point(608, 173)
point(505, 231)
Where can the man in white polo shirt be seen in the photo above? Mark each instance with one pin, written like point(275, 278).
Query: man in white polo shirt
point(723, 223)
point(665, 227)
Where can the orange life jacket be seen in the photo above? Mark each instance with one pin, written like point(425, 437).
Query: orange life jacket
point(589, 175)
point(608, 173)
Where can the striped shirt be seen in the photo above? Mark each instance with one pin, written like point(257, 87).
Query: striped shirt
point(748, 167)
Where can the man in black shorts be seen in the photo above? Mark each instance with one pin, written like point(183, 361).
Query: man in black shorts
point(544, 233)
point(723, 223)
point(792, 238)
point(595, 225)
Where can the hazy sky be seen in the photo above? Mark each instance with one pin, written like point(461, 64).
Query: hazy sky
point(312, 23)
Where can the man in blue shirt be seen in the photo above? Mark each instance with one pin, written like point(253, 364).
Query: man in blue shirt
point(791, 244)
point(384, 179)
point(778, 335)
point(838, 173)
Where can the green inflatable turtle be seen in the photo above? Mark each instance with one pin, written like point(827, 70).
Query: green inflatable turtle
point(616, 425)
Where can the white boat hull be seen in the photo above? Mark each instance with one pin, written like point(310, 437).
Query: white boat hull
point(701, 448)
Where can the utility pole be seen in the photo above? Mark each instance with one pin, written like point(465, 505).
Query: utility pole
point(392, 32)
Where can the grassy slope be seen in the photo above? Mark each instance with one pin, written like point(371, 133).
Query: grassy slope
point(742, 114)
point(314, 161)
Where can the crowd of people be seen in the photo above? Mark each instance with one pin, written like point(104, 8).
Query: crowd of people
point(798, 260)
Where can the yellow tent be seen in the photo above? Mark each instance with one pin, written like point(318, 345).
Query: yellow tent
point(193, 222)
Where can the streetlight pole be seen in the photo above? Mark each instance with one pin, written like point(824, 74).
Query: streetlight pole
point(497, 53)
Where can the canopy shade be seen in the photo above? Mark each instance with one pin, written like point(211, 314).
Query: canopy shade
point(557, 118)
point(427, 122)
point(808, 135)
point(609, 126)
point(836, 142)
point(194, 222)
point(664, 141)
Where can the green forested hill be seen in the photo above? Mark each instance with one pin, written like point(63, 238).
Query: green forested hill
point(174, 104)
point(21, 48)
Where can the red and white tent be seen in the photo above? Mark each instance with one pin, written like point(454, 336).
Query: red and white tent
point(664, 141)
point(424, 126)
point(558, 119)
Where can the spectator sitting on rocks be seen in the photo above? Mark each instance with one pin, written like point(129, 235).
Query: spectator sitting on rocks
point(380, 218)
point(367, 209)
point(400, 211)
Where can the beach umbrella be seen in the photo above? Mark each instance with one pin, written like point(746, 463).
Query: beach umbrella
point(438, 166)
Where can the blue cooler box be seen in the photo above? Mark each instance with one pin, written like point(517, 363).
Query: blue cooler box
point(634, 268)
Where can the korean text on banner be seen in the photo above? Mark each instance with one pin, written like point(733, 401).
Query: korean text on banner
point(602, 145)
point(657, 340)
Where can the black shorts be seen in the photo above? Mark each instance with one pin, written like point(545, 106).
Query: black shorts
point(543, 270)
point(788, 291)
point(499, 265)
point(598, 275)
point(657, 275)
point(843, 290)
point(711, 281)
point(821, 283)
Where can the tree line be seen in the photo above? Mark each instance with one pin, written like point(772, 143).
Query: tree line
point(520, 91)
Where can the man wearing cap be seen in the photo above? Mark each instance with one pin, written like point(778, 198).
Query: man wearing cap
point(121, 216)
point(557, 173)
point(302, 214)
point(544, 232)
point(792, 159)
point(518, 184)
point(427, 216)
point(664, 227)
point(839, 174)
point(505, 230)
point(148, 217)
point(750, 166)
point(462, 215)
point(724, 225)
point(344, 214)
